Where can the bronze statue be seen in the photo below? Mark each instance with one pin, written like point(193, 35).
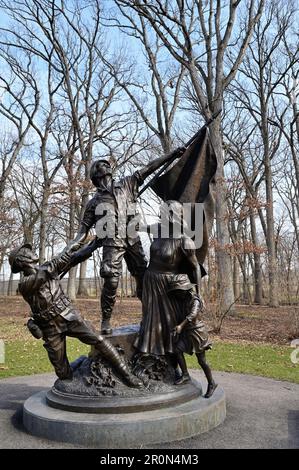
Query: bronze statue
point(170, 323)
point(119, 194)
point(170, 309)
point(54, 317)
point(138, 369)
point(168, 256)
point(191, 335)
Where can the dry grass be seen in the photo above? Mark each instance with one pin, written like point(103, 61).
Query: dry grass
point(258, 324)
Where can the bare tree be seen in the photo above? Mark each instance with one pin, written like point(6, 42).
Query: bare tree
point(243, 145)
point(256, 89)
point(205, 39)
point(286, 118)
point(65, 39)
point(24, 184)
point(17, 107)
point(155, 88)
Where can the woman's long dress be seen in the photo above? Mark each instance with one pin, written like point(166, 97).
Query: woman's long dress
point(160, 312)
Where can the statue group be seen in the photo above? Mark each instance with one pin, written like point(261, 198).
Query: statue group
point(168, 286)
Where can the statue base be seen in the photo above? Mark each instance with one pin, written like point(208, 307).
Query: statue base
point(125, 429)
point(97, 409)
point(135, 400)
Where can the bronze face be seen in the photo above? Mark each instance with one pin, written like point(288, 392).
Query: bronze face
point(99, 170)
point(23, 258)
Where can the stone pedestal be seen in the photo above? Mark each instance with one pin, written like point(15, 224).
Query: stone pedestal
point(93, 411)
point(124, 430)
point(122, 338)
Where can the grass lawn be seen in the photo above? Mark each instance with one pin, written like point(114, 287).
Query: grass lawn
point(256, 359)
point(27, 357)
point(30, 357)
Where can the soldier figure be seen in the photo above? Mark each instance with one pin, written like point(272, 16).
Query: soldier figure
point(119, 194)
point(53, 315)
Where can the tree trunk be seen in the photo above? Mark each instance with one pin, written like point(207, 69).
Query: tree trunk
point(126, 281)
point(246, 288)
point(236, 278)
point(270, 238)
point(273, 292)
point(10, 284)
point(43, 225)
point(224, 281)
point(132, 282)
point(210, 286)
point(258, 280)
point(71, 284)
point(2, 188)
point(82, 288)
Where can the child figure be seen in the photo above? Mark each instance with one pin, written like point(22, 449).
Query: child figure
point(191, 333)
point(54, 317)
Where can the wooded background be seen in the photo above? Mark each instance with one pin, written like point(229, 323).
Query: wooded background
point(130, 81)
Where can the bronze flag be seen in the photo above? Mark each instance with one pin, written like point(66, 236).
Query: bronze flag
point(191, 180)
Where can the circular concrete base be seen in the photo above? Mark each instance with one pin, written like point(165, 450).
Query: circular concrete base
point(124, 430)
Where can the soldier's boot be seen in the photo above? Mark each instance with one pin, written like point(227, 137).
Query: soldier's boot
point(106, 328)
point(63, 370)
point(111, 354)
point(108, 298)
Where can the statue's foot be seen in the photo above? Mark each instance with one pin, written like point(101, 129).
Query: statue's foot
point(211, 389)
point(68, 378)
point(177, 374)
point(185, 378)
point(106, 327)
point(133, 381)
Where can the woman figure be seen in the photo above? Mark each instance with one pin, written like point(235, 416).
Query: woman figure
point(171, 253)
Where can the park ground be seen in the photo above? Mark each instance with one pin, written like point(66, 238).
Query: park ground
point(253, 340)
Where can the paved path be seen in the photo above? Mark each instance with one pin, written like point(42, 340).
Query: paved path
point(261, 413)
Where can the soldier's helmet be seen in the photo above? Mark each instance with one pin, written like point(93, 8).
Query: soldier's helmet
point(18, 256)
